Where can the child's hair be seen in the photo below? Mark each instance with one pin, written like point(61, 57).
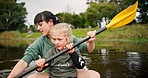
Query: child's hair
point(62, 28)
point(45, 16)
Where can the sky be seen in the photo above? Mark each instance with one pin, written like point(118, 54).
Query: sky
point(55, 6)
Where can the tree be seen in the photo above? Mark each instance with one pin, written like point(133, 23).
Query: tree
point(142, 8)
point(97, 11)
point(33, 28)
point(64, 17)
point(74, 19)
point(12, 15)
point(92, 14)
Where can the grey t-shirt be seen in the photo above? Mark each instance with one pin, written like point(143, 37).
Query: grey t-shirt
point(62, 66)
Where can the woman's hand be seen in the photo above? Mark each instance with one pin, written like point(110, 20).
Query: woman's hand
point(92, 35)
point(41, 64)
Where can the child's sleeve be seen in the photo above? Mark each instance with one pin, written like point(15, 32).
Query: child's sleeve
point(78, 61)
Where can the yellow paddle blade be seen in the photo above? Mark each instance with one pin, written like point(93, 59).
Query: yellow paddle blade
point(124, 17)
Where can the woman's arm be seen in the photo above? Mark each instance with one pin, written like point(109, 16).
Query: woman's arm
point(18, 68)
point(91, 46)
point(31, 53)
point(86, 47)
point(91, 41)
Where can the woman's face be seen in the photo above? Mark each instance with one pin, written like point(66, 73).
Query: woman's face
point(44, 27)
point(59, 40)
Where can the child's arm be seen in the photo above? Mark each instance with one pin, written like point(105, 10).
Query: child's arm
point(78, 61)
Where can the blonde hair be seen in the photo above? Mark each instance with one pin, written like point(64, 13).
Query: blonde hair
point(62, 28)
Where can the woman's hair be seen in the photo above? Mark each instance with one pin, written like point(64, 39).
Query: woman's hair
point(45, 16)
point(62, 28)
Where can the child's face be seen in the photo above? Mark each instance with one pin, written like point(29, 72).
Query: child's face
point(59, 40)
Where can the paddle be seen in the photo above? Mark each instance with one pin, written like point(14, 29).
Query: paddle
point(121, 19)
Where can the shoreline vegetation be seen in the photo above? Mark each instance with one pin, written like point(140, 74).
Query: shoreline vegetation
point(129, 33)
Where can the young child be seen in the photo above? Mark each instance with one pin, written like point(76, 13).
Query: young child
point(65, 65)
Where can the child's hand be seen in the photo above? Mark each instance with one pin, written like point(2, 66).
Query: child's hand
point(69, 46)
point(41, 64)
point(92, 35)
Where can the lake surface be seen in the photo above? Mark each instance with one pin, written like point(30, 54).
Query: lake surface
point(110, 59)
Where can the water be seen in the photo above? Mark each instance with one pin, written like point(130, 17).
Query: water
point(120, 60)
point(110, 59)
point(120, 65)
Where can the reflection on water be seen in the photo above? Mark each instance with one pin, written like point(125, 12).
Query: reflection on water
point(119, 64)
point(110, 59)
point(10, 52)
point(10, 43)
point(120, 60)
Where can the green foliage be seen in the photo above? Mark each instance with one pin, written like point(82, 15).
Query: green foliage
point(10, 35)
point(12, 15)
point(129, 32)
point(142, 8)
point(32, 36)
point(104, 9)
point(97, 11)
point(125, 33)
point(33, 28)
point(74, 19)
point(65, 17)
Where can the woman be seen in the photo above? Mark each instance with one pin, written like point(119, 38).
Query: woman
point(44, 22)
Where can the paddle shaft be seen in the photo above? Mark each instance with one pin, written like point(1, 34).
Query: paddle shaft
point(59, 54)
